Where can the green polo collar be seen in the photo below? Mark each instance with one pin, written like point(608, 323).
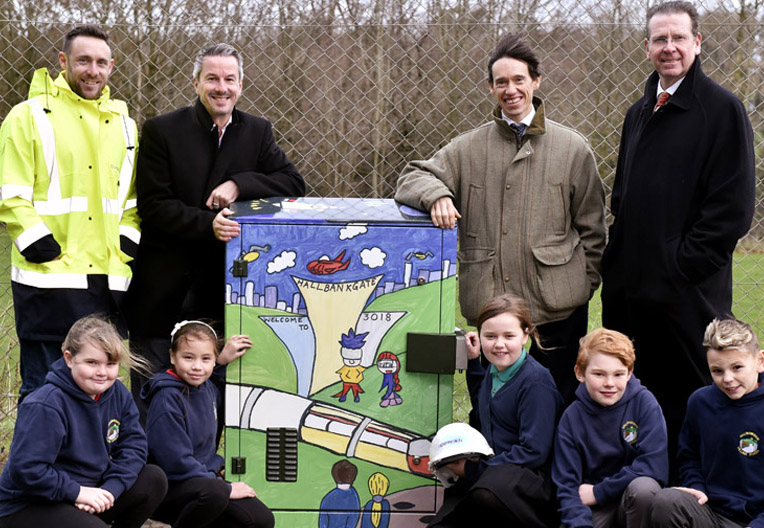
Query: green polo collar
point(499, 379)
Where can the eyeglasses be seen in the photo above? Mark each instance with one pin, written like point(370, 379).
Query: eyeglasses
point(677, 40)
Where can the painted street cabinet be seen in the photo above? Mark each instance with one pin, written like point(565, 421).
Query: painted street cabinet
point(329, 416)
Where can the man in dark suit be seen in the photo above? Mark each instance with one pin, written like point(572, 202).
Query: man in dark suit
point(194, 162)
point(683, 195)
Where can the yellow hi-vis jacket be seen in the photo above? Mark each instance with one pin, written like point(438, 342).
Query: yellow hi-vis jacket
point(67, 169)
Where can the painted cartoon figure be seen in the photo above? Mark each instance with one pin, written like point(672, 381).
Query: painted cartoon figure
point(351, 373)
point(389, 365)
point(376, 512)
point(339, 508)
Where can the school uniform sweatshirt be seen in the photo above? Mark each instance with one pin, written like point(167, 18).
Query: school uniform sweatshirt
point(720, 452)
point(181, 426)
point(64, 439)
point(519, 420)
point(607, 446)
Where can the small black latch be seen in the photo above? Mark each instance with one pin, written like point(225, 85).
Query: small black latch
point(431, 353)
point(240, 268)
point(238, 465)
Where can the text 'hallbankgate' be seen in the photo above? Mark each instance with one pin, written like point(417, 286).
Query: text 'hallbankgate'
point(335, 287)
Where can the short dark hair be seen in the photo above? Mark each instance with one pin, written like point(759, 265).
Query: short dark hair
point(344, 472)
point(513, 47)
point(85, 30)
point(670, 8)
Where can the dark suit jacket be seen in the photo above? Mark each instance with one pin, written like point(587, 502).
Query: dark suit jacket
point(683, 195)
point(179, 164)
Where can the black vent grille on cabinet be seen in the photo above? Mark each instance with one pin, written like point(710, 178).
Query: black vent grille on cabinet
point(281, 459)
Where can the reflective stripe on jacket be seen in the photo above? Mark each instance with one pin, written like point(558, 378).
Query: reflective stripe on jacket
point(67, 169)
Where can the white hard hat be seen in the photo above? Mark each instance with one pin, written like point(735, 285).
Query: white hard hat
point(454, 441)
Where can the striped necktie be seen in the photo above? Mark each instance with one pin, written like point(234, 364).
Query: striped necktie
point(663, 97)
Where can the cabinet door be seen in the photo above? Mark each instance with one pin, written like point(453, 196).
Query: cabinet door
point(323, 408)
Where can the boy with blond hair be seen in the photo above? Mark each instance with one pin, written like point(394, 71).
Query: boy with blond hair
point(720, 463)
point(610, 450)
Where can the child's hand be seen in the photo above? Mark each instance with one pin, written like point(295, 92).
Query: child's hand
point(84, 507)
point(240, 490)
point(702, 497)
point(586, 494)
point(234, 348)
point(472, 340)
point(94, 500)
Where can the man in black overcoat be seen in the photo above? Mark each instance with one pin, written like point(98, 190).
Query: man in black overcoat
point(194, 162)
point(683, 196)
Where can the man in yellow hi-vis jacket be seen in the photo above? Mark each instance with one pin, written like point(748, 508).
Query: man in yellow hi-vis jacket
point(67, 197)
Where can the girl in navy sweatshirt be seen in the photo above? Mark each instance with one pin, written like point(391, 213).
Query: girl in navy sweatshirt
point(181, 427)
point(518, 405)
point(78, 457)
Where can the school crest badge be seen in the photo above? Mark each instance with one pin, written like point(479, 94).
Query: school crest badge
point(629, 432)
point(112, 433)
point(748, 444)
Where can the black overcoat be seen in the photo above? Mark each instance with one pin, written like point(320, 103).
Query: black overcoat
point(179, 164)
point(683, 194)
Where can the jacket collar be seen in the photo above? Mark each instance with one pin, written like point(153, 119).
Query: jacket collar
point(205, 120)
point(684, 94)
point(42, 85)
point(538, 125)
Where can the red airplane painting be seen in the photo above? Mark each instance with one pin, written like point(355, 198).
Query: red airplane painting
point(324, 266)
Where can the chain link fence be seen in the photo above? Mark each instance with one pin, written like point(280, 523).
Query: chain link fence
point(355, 88)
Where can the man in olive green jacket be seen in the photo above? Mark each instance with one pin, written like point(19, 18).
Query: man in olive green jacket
point(533, 210)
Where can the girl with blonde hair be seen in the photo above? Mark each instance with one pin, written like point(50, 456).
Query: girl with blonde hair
point(376, 512)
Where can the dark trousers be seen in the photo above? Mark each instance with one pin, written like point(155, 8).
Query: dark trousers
point(157, 353)
point(186, 297)
point(479, 507)
point(560, 341)
point(205, 502)
point(45, 315)
point(673, 508)
point(130, 510)
point(671, 362)
point(503, 495)
point(35, 359)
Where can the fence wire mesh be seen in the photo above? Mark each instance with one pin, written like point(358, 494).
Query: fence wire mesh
point(355, 88)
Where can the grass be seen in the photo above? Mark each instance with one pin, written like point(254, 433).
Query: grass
point(748, 290)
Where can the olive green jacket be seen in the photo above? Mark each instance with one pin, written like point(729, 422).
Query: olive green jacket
point(533, 213)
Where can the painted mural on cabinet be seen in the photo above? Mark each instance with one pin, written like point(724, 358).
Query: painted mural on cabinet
point(330, 426)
